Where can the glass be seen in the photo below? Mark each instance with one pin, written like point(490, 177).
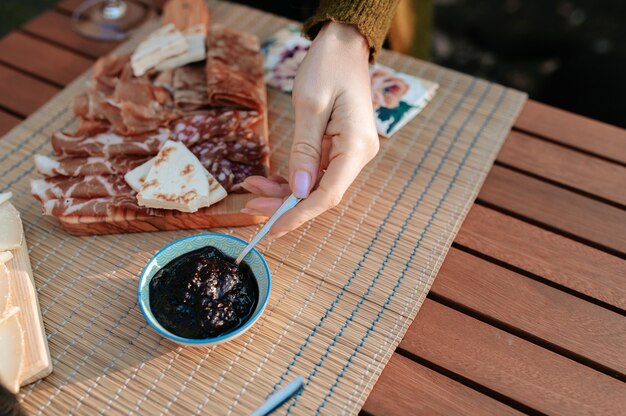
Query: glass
point(109, 20)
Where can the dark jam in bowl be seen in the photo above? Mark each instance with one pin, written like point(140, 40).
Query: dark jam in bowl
point(203, 294)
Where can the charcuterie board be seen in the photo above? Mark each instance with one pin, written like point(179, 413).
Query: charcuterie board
point(208, 100)
point(223, 214)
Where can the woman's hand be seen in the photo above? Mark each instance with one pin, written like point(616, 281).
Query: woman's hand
point(335, 134)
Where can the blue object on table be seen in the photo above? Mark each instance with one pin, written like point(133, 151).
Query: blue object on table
point(281, 396)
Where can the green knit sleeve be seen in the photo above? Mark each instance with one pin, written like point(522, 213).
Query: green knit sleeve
point(371, 17)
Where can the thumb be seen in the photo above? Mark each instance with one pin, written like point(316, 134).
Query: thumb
point(306, 151)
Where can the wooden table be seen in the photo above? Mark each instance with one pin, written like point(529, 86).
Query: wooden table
point(527, 313)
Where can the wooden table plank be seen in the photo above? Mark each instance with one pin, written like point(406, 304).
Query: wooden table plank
point(56, 27)
point(408, 388)
point(511, 366)
point(543, 253)
point(7, 122)
point(555, 317)
point(23, 94)
point(568, 167)
point(585, 218)
point(42, 59)
point(573, 130)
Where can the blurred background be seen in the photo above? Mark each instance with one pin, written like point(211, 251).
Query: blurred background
point(566, 53)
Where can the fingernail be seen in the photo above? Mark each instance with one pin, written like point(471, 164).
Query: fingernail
point(302, 184)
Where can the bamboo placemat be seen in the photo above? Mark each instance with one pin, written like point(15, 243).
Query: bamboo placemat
point(346, 285)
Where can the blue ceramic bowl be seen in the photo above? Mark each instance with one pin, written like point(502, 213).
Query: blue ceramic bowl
point(231, 246)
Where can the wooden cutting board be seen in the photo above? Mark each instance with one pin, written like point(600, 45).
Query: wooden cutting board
point(37, 363)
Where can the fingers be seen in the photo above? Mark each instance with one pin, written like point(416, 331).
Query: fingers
point(341, 172)
point(262, 206)
point(267, 187)
point(312, 116)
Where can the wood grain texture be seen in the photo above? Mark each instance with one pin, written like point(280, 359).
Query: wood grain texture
point(408, 388)
point(7, 122)
point(57, 28)
point(511, 366)
point(37, 362)
point(553, 257)
point(23, 94)
point(573, 130)
point(556, 207)
point(569, 167)
point(549, 314)
point(41, 58)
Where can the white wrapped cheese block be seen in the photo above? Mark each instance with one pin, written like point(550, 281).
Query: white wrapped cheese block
point(11, 349)
point(11, 232)
point(177, 180)
point(162, 44)
point(4, 197)
point(5, 290)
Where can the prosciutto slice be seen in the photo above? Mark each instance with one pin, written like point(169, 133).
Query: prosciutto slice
point(84, 166)
point(234, 70)
point(109, 144)
point(96, 207)
point(79, 187)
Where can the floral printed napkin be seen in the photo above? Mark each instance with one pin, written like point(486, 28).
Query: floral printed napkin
point(397, 97)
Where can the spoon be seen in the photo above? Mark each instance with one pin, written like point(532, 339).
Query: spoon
point(289, 203)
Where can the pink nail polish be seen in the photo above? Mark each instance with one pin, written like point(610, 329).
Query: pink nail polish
point(302, 184)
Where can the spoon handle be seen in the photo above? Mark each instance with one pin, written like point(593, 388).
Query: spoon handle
point(289, 203)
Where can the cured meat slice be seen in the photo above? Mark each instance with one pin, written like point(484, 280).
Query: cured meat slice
point(109, 144)
point(96, 207)
point(215, 124)
point(83, 166)
point(234, 147)
point(231, 174)
point(190, 93)
point(79, 187)
point(234, 70)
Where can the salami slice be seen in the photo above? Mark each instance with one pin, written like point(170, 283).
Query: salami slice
point(84, 166)
point(234, 70)
point(109, 144)
point(79, 187)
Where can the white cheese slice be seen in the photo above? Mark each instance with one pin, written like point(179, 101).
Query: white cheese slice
point(5, 289)
point(176, 180)
point(196, 50)
point(5, 256)
point(163, 43)
point(11, 232)
point(4, 197)
point(137, 176)
point(11, 349)
point(216, 191)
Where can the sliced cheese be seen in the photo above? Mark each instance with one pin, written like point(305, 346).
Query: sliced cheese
point(5, 256)
point(11, 349)
point(176, 180)
point(216, 191)
point(162, 44)
point(136, 177)
point(5, 289)
point(196, 41)
point(11, 232)
point(4, 197)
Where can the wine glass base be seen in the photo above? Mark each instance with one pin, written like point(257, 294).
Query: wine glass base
point(92, 19)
